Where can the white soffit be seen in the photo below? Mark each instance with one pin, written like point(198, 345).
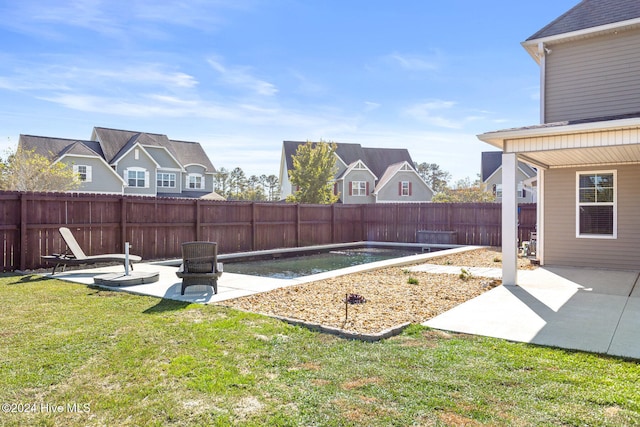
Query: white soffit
point(591, 156)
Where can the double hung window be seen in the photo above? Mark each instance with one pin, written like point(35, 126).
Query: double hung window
point(596, 204)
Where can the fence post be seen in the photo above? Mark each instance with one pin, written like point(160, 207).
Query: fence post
point(333, 223)
point(254, 226)
point(363, 235)
point(23, 231)
point(197, 224)
point(297, 225)
point(123, 221)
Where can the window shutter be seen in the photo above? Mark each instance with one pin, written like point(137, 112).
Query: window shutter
point(335, 189)
point(410, 189)
point(400, 188)
point(88, 174)
point(367, 188)
point(351, 188)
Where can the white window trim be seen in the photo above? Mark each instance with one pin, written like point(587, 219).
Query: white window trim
point(615, 205)
point(136, 169)
point(196, 175)
point(88, 172)
point(408, 188)
point(170, 179)
point(355, 186)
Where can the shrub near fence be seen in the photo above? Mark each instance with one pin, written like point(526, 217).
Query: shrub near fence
point(156, 227)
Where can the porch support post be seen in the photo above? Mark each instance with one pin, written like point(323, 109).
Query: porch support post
point(509, 219)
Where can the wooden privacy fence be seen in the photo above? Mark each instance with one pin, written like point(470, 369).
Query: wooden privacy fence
point(156, 227)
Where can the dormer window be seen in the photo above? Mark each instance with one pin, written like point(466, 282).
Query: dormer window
point(195, 181)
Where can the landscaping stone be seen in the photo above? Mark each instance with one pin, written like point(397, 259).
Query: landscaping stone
point(390, 300)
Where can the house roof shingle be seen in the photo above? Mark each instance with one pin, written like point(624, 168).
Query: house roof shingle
point(590, 14)
point(52, 148)
point(376, 159)
point(115, 143)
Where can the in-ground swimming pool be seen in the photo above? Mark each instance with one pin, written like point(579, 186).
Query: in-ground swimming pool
point(305, 265)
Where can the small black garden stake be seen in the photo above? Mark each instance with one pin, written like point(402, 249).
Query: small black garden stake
point(352, 299)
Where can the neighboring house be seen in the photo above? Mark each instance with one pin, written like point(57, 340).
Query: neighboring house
point(587, 149)
point(126, 162)
point(365, 175)
point(492, 177)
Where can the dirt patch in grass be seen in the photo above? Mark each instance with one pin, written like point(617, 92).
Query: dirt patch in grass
point(391, 298)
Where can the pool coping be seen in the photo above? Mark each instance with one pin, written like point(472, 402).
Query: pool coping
point(315, 248)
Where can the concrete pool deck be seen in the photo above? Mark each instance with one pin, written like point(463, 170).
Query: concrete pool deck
point(572, 308)
point(230, 285)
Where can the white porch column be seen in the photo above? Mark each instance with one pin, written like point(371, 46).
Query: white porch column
point(509, 219)
point(540, 217)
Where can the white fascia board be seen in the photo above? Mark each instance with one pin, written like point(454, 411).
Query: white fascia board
point(353, 165)
point(498, 138)
point(196, 164)
point(341, 161)
point(532, 45)
point(133, 147)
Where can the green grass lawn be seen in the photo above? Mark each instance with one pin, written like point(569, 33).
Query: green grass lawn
point(76, 355)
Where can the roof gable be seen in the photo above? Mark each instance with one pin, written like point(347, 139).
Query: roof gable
point(357, 165)
point(52, 148)
point(492, 162)
point(589, 14)
point(393, 170)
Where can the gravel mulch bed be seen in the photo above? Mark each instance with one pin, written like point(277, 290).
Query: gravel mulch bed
point(394, 296)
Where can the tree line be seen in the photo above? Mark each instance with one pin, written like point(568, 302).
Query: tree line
point(235, 185)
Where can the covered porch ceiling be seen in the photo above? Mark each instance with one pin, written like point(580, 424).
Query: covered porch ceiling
point(563, 145)
point(576, 157)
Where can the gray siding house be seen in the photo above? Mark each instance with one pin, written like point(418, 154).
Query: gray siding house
point(365, 175)
point(587, 147)
point(128, 162)
point(491, 174)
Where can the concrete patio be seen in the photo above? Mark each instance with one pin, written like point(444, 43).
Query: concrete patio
point(571, 308)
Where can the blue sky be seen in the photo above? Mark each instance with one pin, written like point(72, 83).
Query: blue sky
point(241, 76)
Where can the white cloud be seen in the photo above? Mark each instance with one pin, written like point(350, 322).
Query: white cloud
point(414, 62)
point(431, 113)
point(240, 77)
point(117, 19)
point(370, 106)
